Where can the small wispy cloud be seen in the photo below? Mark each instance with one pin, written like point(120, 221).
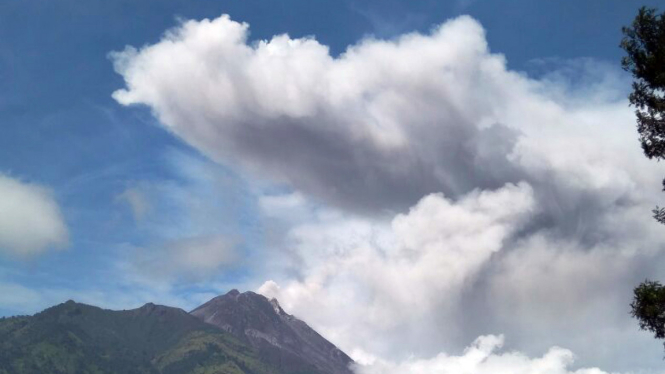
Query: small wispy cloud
point(137, 201)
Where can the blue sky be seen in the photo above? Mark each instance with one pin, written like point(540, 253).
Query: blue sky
point(156, 211)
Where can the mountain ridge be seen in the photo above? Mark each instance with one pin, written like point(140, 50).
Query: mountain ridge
point(77, 338)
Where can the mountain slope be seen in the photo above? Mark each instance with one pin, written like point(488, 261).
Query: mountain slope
point(78, 338)
point(281, 339)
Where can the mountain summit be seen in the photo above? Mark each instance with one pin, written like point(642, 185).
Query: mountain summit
point(231, 334)
point(280, 338)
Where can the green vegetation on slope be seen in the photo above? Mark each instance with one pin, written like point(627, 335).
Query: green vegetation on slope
point(76, 338)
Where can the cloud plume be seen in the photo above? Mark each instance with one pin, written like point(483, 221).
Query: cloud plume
point(482, 358)
point(452, 196)
point(379, 127)
point(369, 279)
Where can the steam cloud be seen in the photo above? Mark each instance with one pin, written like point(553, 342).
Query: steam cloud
point(440, 193)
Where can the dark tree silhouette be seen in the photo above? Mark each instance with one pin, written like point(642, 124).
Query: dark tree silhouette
point(648, 307)
point(644, 43)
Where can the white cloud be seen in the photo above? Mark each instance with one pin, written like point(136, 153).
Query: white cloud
point(388, 122)
point(363, 279)
point(433, 277)
point(481, 358)
point(382, 126)
point(543, 182)
point(30, 219)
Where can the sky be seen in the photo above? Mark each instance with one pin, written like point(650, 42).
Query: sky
point(435, 186)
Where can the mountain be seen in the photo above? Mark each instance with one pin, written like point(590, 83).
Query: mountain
point(231, 334)
point(73, 338)
point(282, 340)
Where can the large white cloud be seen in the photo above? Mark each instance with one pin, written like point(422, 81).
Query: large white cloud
point(30, 219)
point(543, 223)
point(382, 125)
point(481, 358)
point(368, 279)
point(398, 293)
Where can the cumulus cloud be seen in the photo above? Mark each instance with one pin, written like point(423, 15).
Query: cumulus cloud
point(396, 294)
point(523, 187)
point(481, 358)
point(381, 126)
point(388, 122)
point(30, 219)
point(446, 272)
point(369, 279)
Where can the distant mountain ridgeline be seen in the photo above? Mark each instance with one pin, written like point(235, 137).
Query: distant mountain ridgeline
point(231, 334)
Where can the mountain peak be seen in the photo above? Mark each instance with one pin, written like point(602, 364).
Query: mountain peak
point(263, 324)
point(278, 308)
point(161, 311)
point(68, 309)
